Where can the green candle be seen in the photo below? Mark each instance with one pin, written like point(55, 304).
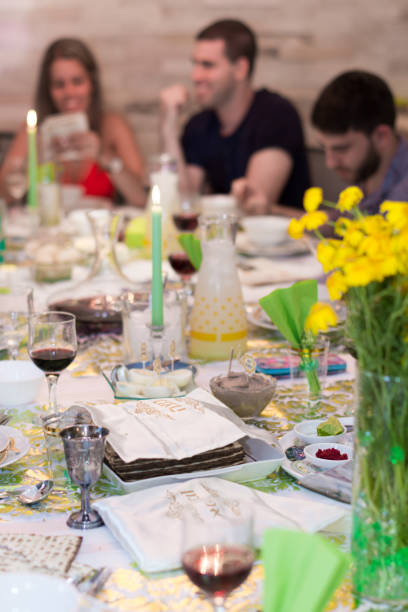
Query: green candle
point(157, 282)
point(32, 158)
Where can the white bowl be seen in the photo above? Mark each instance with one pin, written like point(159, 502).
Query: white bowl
point(311, 450)
point(268, 230)
point(307, 431)
point(20, 382)
point(35, 592)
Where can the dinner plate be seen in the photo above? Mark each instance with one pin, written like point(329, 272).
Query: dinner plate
point(302, 468)
point(4, 439)
point(35, 592)
point(286, 249)
point(21, 443)
point(258, 317)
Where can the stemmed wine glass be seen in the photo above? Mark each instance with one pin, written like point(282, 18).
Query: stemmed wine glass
point(52, 346)
point(16, 179)
point(220, 557)
point(16, 305)
point(186, 221)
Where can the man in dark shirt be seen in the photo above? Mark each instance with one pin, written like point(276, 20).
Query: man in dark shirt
point(245, 141)
point(354, 117)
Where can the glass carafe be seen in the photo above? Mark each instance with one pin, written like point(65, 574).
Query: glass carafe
point(163, 173)
point(218, 319)
point(96, 301)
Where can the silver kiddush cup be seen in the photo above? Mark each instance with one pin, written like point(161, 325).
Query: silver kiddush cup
point(84, 447)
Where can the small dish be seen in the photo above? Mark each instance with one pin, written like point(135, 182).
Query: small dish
point(268, 230)
point(35, 592)
point(311, 450)
point(122, 391)
point(307, 431)
point(234, 392)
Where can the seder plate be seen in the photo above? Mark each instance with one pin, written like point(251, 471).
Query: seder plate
point(261, 460)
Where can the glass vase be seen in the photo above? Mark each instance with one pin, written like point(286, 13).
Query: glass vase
point(380, 490)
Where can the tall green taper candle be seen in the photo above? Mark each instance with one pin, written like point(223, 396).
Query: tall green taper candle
point(157, 281)
point(32, 158)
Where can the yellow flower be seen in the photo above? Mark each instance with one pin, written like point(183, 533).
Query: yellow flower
point(360, 272)
point(296, 228)
point(312, 199)
point(320, 317)
point(342, 225)
point(389, 266)
point(349, 198)
point(397, 214)
point(325, 254)
point(336, 285)
point(313, 220)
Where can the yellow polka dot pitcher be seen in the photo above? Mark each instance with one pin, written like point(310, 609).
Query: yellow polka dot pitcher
point(218, 320)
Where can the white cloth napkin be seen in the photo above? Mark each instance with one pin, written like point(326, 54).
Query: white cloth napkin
point(271, 271)
point(172, 428)
point(149, 523)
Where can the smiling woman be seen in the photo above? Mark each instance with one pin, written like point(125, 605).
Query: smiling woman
point(109, 157)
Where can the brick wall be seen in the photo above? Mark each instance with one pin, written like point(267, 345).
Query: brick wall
point(143, 45)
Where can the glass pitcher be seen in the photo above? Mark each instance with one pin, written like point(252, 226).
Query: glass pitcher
point(218, 319)
point(96, 300)
point(163, 173)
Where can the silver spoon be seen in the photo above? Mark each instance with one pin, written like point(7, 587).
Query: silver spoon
point(29, 494)
point(36, 493)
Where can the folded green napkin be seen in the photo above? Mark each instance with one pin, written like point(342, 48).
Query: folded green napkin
point(135, 233)
point(302, 571)
point(289, 308)
point(192, 246)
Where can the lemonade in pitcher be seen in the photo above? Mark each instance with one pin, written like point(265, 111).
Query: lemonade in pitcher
point(218, 319)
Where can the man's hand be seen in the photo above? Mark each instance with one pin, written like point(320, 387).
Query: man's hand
point(173, 99)
point(251, 200)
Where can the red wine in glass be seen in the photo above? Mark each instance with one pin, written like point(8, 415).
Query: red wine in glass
point(186, 221)
point(53, 359)
point(218, 569)
point(182, 265)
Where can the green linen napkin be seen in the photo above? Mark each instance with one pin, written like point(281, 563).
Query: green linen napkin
point(289, 308)
point(302, 571)
point(192, 246)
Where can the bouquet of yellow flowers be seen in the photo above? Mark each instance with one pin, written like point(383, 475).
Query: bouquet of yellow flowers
point(367, 266)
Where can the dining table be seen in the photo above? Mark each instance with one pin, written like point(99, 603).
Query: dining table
point(128, 588)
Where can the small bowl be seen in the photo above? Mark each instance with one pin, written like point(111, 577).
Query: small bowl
point(245, 403)
point(268, 230)
point(311, 450)
point(307, 431)
point(20, 382)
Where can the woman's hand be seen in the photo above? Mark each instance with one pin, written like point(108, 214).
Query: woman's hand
point(84, 145)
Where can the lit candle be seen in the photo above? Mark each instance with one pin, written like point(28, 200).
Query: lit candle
point(157, 282)
point(32, 158)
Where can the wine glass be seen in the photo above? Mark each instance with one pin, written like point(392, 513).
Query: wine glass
point(16, 179)
point(185, 219)
point(219, 557)
point(16, 304)
point(185, 216)
point(52, 346)
point(84, 447)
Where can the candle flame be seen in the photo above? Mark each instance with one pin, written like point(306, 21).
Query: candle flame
point(31, 119)
point(156, 198)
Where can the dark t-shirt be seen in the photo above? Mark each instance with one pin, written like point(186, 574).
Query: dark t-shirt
point(271, 122)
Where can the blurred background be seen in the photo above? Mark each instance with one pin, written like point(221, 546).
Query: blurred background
point(144, 45)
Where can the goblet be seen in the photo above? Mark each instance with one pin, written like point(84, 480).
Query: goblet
point(218, 558)
point(52, 346)
point(16, 304)
point(84, 447)
point(16, 179)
